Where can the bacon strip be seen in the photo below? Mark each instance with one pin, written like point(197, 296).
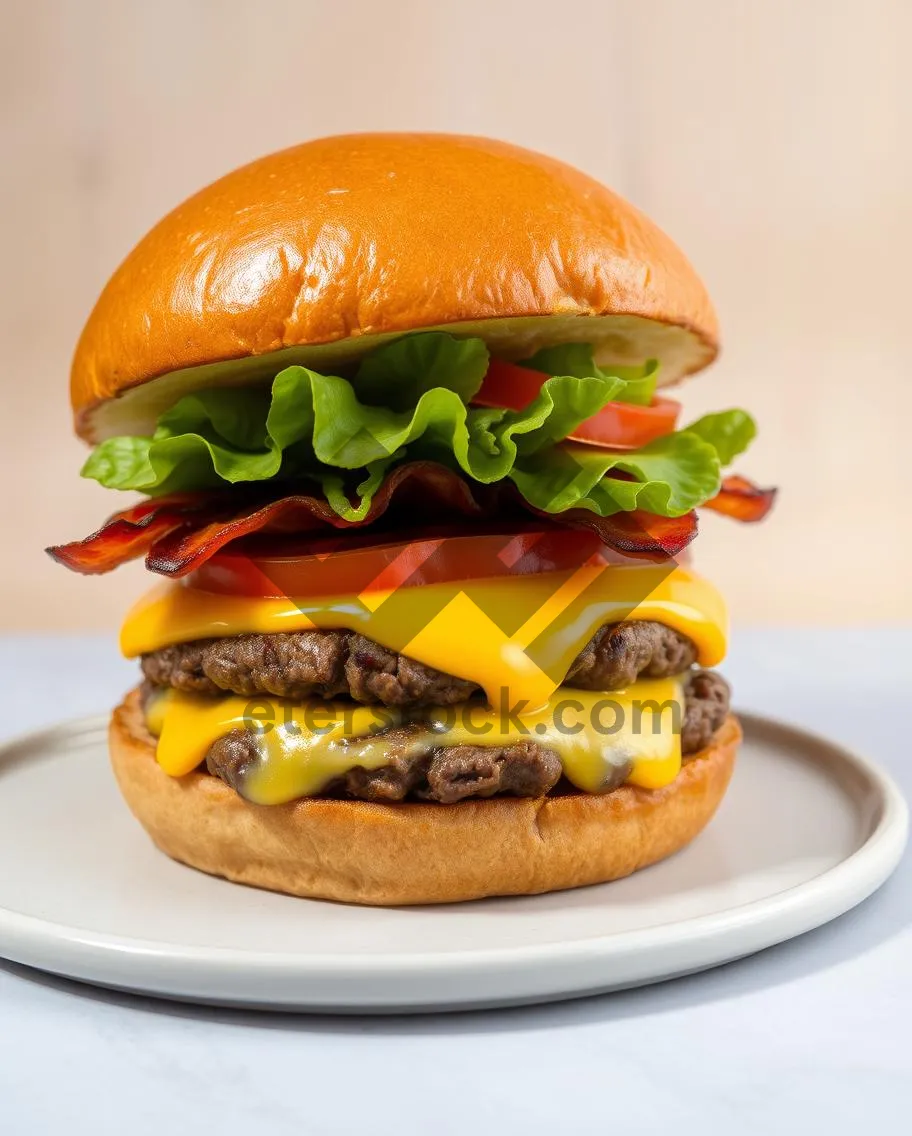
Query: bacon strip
point(633, 534)
point(127, 535)
point(742, 500)
point(178, 532)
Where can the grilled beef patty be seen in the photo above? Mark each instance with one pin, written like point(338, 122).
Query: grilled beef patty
point(304, 664)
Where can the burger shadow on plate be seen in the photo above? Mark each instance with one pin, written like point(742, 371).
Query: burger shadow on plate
point(871, 923)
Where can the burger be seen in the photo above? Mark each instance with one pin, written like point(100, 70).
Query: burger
point(426, 627)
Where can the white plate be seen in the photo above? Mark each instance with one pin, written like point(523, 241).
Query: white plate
point(807, 831)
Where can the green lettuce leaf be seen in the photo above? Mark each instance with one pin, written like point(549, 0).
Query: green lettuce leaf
point(409, 401)
point(729, 432)
point(638, 382)
point(310, 421)
point(669, 477)
point(399, 373)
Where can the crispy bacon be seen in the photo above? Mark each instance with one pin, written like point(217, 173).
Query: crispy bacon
point(742, 500)
point(178, 532)
point(127, 535)
point(634, 534)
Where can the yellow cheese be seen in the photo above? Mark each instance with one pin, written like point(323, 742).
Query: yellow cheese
point(514, 636)
point(601, 739)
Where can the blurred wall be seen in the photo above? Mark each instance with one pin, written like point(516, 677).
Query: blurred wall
point(772, 140)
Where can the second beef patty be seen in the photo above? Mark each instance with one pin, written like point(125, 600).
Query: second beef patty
point(448, 774)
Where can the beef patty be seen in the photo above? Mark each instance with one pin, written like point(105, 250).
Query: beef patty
point(453, 773)
point(304, 664)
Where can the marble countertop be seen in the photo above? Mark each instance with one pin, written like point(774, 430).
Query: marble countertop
point(812, 1035)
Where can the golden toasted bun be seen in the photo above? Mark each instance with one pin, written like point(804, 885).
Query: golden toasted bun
point(414, 853)
point(317, 251)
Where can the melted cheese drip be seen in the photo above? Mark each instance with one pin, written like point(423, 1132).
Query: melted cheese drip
point(540, 623)
point(305, 746)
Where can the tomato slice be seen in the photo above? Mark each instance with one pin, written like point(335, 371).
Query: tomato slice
point(623, 426)
point(618, 426)
point(339, 569)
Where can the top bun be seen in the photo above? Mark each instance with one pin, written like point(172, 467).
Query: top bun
point(311, 254)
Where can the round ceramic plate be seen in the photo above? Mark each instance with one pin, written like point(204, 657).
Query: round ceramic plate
point(806, 831)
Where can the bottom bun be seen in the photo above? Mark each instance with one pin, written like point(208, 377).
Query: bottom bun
point(359, 852)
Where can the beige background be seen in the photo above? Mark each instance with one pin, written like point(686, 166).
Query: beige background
point(772, 140)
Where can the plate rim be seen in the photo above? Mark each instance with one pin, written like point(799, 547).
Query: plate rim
point(852, 879)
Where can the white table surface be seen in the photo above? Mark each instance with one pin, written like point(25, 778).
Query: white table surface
point(811, 1036)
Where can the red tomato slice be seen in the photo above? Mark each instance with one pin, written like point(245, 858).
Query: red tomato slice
point(339, 569)
point(619, 425)
point(509, 385)
point(623, 426)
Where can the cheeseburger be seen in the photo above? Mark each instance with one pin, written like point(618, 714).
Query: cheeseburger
point(426, 627)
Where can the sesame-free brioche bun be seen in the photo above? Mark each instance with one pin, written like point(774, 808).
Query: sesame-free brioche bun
point(316, 253)
point(382, 854)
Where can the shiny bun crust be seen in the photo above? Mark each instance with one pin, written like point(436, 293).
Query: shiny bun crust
point(414, 853)
point(339, 241)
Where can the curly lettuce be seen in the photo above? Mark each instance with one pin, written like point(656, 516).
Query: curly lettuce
point(409, 400)
point(638, 382)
